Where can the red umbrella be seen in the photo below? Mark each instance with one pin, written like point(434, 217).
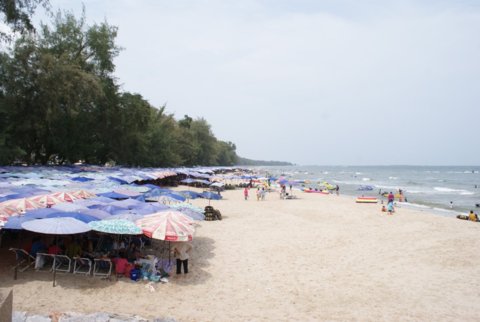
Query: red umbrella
point(167, 225)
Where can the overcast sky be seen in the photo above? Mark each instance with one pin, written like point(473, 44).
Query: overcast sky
point(312, 82)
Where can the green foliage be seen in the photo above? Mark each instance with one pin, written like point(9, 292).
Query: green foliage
point(60, 103)
point(17, 14)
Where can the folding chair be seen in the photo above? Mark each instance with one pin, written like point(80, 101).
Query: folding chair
point(44, 262)
point(102, 267)
point(63, 263)
point(23, 260)
point(82, 265)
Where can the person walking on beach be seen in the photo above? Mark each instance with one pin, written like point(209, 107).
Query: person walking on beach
point(451, 204)
point(245, 193)
point(337, 189)
point(180, 251)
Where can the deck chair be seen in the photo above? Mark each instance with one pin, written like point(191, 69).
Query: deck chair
point(82, 265)
point(44, 262)
point(63, 263)
point(102, 267)
point(23, 260)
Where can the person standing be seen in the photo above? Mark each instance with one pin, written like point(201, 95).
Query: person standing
point(451, 204)
point(391, 197)
point(245, 193)
point(181, 252)
point(390, 208)
point(337, 189)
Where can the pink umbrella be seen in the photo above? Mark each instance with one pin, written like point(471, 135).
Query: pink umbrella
point(23, 204)
point(167, 225)
point(46, 200)
point(7, 211)
point(83, 194)
point(65, 196)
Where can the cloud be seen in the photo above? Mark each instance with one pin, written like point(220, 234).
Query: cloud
point(334, 82)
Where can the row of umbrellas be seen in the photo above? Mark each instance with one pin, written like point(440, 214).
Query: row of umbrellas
point(167, 225)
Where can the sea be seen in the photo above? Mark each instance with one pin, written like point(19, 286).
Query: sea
point(443, 190)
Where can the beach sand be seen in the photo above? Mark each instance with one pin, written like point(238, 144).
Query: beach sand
point(320, 257)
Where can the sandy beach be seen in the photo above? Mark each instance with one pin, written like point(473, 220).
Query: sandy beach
point(317, 258)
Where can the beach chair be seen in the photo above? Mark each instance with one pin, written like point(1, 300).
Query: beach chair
point(102, 267)
point(44, 262)
point(82, 265)
point(23, 260)
point(63, 263)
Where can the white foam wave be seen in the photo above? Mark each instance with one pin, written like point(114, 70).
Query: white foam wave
point(366, 179)
point(393, 178)
point(445, 189)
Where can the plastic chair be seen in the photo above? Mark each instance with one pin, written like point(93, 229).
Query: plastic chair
point(82, 265)
point(63, 263)
point(23, 259)
point(102, 267)
point(44, 262)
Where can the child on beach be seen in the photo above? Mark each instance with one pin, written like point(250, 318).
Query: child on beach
point(390, 208)
point(245, 193)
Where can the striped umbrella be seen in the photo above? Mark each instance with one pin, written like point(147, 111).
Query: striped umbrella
point(167, 225)
point(23, 204)
point(7, 211)
point(83, 194)
point(116, 226)
point(65, 196)
point(46, 200)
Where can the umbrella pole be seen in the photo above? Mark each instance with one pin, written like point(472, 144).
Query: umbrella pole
point(54, 269)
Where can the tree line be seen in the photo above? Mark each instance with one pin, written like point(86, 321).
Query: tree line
point(60, 103)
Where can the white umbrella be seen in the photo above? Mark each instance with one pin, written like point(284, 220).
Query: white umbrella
point(56, 226)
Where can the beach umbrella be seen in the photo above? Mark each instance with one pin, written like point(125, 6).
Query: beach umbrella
point(46, 200)
point(79, 216)
point(190, 194)
point(167, 225)
point(211, 195)
point(7, 211)
point(116, 226)
point(68, 206)
point(40, 213)
point(83, 194)
point(191, 213)
point(56, 226)
point(65, 196)
point(187, 205)
point(97, 213)
point(23, 204)
point(15, 222)
point(133, 217)
point(127, 203)
point(107, 208)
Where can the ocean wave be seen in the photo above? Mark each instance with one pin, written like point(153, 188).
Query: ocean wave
point(445, 189)
point(366, 179)
point(393, 178)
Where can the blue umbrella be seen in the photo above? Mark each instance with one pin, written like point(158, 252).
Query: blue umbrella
point(40, 213)
point(82, 217)
point(210, 195)
point(190, 194)
point(15, 222)
point(107, 208)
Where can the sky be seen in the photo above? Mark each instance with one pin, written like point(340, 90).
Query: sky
point(334, 82)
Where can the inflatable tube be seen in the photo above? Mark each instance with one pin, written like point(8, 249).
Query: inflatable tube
point(366, 200)
point(465, 217)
